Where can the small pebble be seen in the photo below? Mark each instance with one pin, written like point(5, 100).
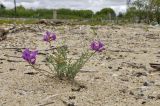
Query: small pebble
point(139, 74)
point(158, 96)
point(110, 67)
point(72, 97)
point(12, 69)
point(150, 97)
point(145, 84)
point(143, 102)
point(131, 93)
point(145, 51)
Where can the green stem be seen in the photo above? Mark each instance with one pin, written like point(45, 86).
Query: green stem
point(39, 69)
point(90, 56)
point(50, 45)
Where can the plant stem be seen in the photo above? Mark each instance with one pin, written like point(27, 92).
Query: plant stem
point(50, 45)
point(90, 56)
point(39, 69)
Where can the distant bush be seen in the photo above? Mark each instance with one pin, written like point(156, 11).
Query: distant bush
point(61, 13)
point(106, 13)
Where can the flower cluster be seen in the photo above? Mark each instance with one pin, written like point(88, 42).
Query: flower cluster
point(48, 37)
point(97, 46)
point(29, 56)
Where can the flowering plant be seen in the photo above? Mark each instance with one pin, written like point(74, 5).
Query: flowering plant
point(63, 66)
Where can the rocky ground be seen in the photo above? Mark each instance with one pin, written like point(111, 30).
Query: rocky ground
point(119, 76)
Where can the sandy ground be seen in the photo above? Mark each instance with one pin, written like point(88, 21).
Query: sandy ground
point(119, 76)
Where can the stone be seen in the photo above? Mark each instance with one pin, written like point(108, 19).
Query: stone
point(3, 34)
point(145, 84)
point(150, 97)
point(143, 102)
point(131, 93)
point(158, 96)
point(72, 97)
point(139, 74)
point(155, 66)
point(110, 67)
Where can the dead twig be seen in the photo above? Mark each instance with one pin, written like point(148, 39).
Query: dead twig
point(85, 71)
point(155, 66)
point(14, 61)
point(46, 104)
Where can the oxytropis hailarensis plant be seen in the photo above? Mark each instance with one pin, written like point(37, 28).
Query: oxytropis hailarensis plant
point(62, 65)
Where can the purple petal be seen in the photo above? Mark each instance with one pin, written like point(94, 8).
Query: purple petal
point(26, 54)
point(33, 57)
point(33, 61)
point(46, 38)
point(48, 33)
point(53, 36)
point(33, 54)
point(93, 45)
point(100, 44)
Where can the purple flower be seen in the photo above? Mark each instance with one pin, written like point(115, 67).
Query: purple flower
point(97, 46)
point(29, 56)
point(48, 36)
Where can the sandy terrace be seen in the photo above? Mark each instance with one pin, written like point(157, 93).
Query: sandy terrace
point(119, 76)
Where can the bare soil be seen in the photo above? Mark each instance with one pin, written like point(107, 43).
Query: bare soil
point(119, 76)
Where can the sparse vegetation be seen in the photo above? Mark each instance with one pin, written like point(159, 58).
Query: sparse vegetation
point(21, 12)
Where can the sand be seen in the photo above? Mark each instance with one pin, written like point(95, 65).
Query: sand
point(119, 76)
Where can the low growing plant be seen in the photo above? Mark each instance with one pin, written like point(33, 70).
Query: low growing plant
point(63, 66)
